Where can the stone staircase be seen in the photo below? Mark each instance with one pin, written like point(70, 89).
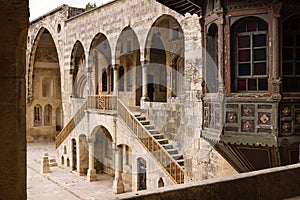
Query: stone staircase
point(159, 147)
point(160, 138)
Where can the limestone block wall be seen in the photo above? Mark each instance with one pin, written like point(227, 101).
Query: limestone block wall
point(13, 34)
point(277, 183)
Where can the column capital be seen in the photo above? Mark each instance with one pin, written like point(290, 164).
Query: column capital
point(145, 62)
point(276, 8)
point(115, 66)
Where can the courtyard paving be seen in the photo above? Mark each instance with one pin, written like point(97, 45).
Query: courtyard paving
point(61, 184)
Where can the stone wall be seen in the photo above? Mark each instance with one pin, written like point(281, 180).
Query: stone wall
point(14, 24)
point(277, 183)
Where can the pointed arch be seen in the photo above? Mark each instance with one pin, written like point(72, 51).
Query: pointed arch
point(128, 58)
point(164, 46)
point(100, 58)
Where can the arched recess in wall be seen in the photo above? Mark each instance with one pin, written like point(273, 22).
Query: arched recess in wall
point(141, 174)
point(100, 60)
point(44, 72)
point(211, 59)
point(128, 57)
point(164, 46)
point(37, 116)
point(48, 115)
point(78, 67)
point(103, 151)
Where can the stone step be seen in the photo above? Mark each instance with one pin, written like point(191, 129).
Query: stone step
point(167, 146)
point(158, 136)
point(177, 156)
point(172, 151)
point(163, 141)
point(146, 122)
point(180, 162)
point(149, 127)
point(153, 131)
point(141, 118)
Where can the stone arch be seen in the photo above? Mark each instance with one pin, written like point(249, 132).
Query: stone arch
point(32, 58)
point(81, 90)
point(164, 44)
point(103, 151)
point(127, 54)
point(44, 81)
point(78, 65)
point(161, 183)
point(100, 58)
point(211, 59)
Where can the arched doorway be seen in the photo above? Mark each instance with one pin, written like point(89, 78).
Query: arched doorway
point(141, 174)
point(100, 58)
point(44, 87)
point(128, 57)
point(103, 151)
point(74, 155)
point(165, 52)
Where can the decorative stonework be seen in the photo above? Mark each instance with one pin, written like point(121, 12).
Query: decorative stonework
point(247, 126)
point(298, 118)
point(286, 111)
point(231, 117)
point(286, 127)
point(264, 119)
point(276, 8)
point(248, 110)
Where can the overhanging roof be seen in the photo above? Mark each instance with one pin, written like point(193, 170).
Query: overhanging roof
point(183, 6)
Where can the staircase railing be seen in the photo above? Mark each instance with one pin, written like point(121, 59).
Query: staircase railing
point(174, 170)
point(66, 131)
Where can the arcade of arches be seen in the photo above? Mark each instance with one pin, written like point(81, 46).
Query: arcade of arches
point(165, 98)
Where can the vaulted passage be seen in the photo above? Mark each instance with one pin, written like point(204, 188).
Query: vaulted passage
point(43, 121)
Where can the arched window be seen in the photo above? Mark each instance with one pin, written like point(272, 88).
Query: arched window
point(47, 88)
point(291, 55)
point(212, 59)
point(249, 50)
point(47, 115)
point(37, 115)
point(104, 80)
point(121, 78)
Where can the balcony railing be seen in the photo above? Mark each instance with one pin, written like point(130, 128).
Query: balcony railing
point(106, 102)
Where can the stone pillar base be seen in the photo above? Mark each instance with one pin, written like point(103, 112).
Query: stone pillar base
point(91, 175)
point(118, 186)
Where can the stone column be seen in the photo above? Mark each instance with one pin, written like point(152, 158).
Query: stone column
point(276, 82)
point(276, 7)
point(221, 53)
point(116, 79)
point(91, 171)
point(118, 186)
point(145, 97)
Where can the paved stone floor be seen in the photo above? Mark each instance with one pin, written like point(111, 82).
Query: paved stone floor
point(61, 184)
